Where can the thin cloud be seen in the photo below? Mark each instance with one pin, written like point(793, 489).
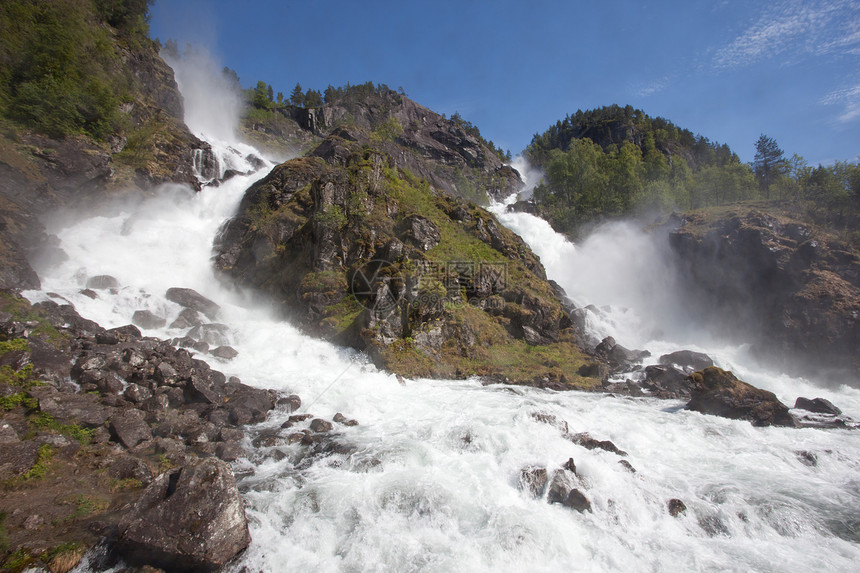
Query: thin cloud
point(653, 87)
point(794, 29)
point(849, 98)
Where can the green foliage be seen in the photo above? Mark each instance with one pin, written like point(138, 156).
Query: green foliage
point(332, 218)
point(43, 461)
point(60, 64)
point(388, 130)
point(769, 163)
point(615, 162)
point(44, 421)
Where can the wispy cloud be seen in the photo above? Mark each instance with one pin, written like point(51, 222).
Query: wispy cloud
point(849, 98)
point(793, 29)
point(652, 87)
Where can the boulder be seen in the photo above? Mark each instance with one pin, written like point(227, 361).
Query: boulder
point(534, 480)
point(687, 359)
point(817, 405)
point(190, 298)
point(147, 319)
point(224, 352)
point(102, 282)
point(188, 318)
point(617, 355)
point(676, 507)
point(130, 428)
point(667, 381)
point(720, 393)
point(189, 519)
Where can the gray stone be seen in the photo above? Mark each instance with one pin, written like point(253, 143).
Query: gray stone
point(102, 282)
point(130, 428)
point(147, 319)
point(192, 299)
point(191, 518)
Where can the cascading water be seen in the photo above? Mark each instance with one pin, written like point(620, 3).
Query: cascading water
point(429, 479)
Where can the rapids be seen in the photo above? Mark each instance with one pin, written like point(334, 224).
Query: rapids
point(429, 479)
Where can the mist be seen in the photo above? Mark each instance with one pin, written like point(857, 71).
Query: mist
point(530, 175)
point(213, 103)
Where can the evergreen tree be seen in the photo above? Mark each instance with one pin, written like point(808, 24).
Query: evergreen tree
point(297, 96)
point(769, 163)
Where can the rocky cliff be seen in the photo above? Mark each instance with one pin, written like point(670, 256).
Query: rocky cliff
point(149, 145)
point(793, 289)
point(360, 250)
point(443, 151)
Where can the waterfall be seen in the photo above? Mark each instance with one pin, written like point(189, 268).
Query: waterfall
point(429, 480)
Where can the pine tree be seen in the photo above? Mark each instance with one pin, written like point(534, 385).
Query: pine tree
point(768, 164)
point(297, 96)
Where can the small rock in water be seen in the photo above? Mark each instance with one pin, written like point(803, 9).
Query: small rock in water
point(146, 319)
point(320, 425)
point(577, 500)
point(534, 480)
point(676, 507)
point(807, 458)
point(102, 282)
point(190, 298)
point(627, 465)
point(224, 352)
point(817, 405)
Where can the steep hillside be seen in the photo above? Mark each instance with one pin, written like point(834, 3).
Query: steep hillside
point(87, 107)
point(449, 153)
point(366, 253)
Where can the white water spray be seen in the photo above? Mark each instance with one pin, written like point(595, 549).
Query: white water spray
point(429, 479)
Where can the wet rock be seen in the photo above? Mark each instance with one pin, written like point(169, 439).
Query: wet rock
point(249, 405)
point(341, 419)
point(589, 443)
point(127, 333)
point(130, 428)
point(534, 480)
point(688, 360)
point(676, 507)
point(202, 390)
point(224, 352)
point(102, 282)
point(319, 425)
point(576, 500)
point(807, 458)
point(570, 466)
point(560, 486)
point(667, 382)
point(229, 451)
point(627, 465)
point(191, 518)
point(137, 394)
point(619, 356)
point(192, 299)
point(188, 318)
point(214, 334)
point(720, 393)
point(552, 420)
point(818, 406)
point(289, 403)
point(147, 319)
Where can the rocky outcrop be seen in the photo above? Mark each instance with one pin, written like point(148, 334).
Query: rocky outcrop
point(447, 153)
point(119, 412)
point(188, 519)
point(720, 393)
point(792, 290)
point(365, 254)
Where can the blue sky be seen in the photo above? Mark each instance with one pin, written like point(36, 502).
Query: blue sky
point(729, 70)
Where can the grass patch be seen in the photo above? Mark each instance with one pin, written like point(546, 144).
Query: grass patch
point(44, 421)
point(43, 462)
point(64, 557)
point(85, 506)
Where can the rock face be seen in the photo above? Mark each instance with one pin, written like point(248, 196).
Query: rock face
point(717, 392)
point(188, 519)
point(368, 255)
point(795, 292)
point(449, 154)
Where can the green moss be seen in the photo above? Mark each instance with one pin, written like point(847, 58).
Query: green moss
point(43, 462)
point(86, 505)
point(44, 421)
point(20, 399)
point(22, 311)
point(18, 560)
point(342, 315)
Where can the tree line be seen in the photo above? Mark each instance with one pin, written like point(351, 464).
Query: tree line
point(616, 162)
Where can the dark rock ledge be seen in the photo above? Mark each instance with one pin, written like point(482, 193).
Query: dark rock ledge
point(114, 440)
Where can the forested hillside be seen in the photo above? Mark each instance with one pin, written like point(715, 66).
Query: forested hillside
point(618, 161)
